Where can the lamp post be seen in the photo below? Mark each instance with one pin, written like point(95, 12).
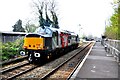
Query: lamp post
point(80, 28)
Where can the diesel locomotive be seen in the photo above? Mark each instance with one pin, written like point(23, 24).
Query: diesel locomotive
point(48, 42)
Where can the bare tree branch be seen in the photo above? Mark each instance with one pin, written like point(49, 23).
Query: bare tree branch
point(41, 5)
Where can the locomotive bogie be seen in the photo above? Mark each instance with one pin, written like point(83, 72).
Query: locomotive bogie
point(38, 56)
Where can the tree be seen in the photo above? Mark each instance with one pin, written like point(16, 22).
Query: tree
point(42, 5)
point(18, 27)
point(53, 12)
point(48, 22)
point(39, 5)
point(112, 30)
point(30, 27)
point(119, 20)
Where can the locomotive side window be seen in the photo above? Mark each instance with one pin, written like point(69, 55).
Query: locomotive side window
point(76, 38)
point(61, 40)
point(55, 36)
point(69, 38)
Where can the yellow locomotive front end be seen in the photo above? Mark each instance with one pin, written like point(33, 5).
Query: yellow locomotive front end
point(33, 43)
point(37, 47)
point(34, 47)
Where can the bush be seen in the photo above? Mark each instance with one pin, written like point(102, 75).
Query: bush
point(11, 49)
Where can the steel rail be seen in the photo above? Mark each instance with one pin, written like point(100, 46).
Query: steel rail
point(78, 65)
point(14, 67)
point(23, 72)
point(55, 69)
point(12, 61)
point(20, 72)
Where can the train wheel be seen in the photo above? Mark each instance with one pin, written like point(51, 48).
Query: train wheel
point(30, 58)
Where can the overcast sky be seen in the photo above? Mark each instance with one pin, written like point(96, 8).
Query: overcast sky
point(90, 14)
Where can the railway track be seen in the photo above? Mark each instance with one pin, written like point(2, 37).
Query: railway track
point(9, 65)
point(63, 71)
point(12, 61)
point(14, 66)
point(15, 71)
point(45, 71)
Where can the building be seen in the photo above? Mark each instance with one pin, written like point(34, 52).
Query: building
point(11, 36)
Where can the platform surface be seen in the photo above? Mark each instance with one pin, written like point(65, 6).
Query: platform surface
point(98, 65)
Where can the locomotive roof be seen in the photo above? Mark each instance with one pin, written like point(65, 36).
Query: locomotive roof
point(72, 33)
point(64, 31)
point(47, 31)
point(55, 29)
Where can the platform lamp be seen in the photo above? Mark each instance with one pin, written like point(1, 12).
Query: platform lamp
point(80, 28)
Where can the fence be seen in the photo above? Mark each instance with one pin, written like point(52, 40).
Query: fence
point(112, 47)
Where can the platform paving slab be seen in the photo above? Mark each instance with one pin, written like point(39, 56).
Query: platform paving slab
point(98, 65)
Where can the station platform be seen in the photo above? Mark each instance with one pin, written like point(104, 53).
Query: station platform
point(98, 64)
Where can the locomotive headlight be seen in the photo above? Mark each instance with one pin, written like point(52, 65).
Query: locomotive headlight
point(39, 46)
point(47, 47)
point(37, 54)
point(25, 47)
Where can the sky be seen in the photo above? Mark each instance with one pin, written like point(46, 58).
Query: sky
point(81, 16)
